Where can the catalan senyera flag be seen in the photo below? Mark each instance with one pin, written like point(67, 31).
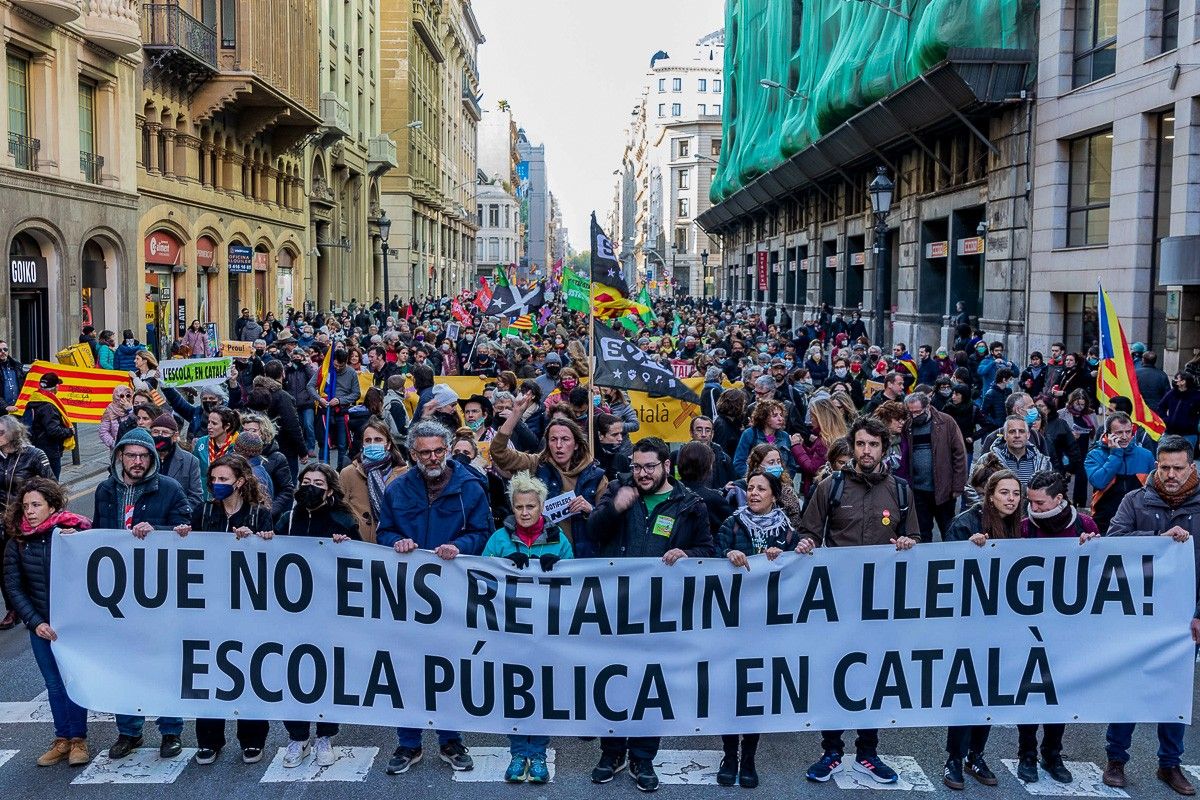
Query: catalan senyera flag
point(1116, 377)
point(84, 393)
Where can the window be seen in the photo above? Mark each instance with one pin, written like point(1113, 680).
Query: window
point(681, 240)
point(715, 147)
point(684, 179)
point(702, 85)
point(662, 109)
point(683, 147)
point(18, 95)
point(716, 86)
point(493, 216)
point(1163, 169)
point(703, 110)
point(676, 84)
point(662, 84)
point(1170, 25)
point(88, 162)
point(228, 23)
point(1095, 40)
point(1090, 186)
point(208, 13)
point(480, 213)
point(676, 110)
point(507, 217)
point(494, 250)
point(685, 208)
point(716, 110)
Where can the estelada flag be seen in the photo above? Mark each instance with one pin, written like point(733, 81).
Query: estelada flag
point(84, 393)
point(326, 376)
point(610, 292)
point(1116, 377)
point(907, 363)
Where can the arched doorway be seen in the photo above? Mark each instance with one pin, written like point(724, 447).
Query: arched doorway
point(285, 298)
point(29, 299)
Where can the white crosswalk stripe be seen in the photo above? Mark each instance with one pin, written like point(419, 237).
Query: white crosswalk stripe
point(490, 764)
point(1088, 781)
point(141, 766)
point(687, 767)
point(353, 765)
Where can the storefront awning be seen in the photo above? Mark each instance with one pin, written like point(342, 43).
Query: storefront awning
point(970, 82)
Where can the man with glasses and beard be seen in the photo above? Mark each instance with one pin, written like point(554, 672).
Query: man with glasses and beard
point(650, 516)
point(442, 506)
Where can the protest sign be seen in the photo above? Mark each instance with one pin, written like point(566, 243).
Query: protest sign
point(236, 349)
point(556, 508)
point(194, 371)
point(864, 637)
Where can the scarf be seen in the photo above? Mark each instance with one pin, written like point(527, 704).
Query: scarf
point(59, 519)
point(766, 530)
point(38, 396)
point(530, 535)
point(1055, 520)
point(377, 480)
point(217, 451)
point(1176, 499)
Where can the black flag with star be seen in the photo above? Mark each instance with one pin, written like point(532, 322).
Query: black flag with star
point(621, 365)
point(610, 291)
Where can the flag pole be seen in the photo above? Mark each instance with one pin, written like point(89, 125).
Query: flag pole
point(591, 406)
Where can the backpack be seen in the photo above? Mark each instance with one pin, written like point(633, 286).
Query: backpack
point(835, 500)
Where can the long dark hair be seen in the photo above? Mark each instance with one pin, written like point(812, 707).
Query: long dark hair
point(251, 490)
point(994, 525)
point(337, 500)
point(56, 498)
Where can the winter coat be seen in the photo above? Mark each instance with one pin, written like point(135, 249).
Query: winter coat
point(282, 480)
point(992, 406)
point(1033, 461)
point(751, 438)
point(928, 371)
point(156, 499)
point(1153, 383)
point(460, 516)
point(689, 530)
point(211, 517)
point(46, 428)
point(818, 371)
point(627, 415)
point(12, 375)
point(1061, 447)
point(197, 342)
point(949, 455)
point(858, 518)
point(283, 413)
point(989, 366)
point(106, 357)
point(965, 525)
point(297, 380)
point(184, 467)
point(1180, 411)
point(27, 575)
point(358, 496)
point(726, 434)
point(110, 424)
point(1113, 473)
point(734, 535)
point(28, 462)
point(321, 523)
point(504, 542)
point(1144, 513)
point(715, 502)
point(123, 360)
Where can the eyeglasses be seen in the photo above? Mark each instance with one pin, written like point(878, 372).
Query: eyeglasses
point(136, 456)
point(647, 469)
point(436, 453)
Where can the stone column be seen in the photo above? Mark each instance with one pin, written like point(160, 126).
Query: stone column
point(152, 165)
point(168, 166)
point(43, 93)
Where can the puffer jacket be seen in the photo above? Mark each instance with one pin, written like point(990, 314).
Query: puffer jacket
point(184, 467)
point(282, 479)
point(296, 379)
point(156, 499)
point(504, 542)
point(460, 516)
point(614, 531)
point(1113, 473)
point(28, 462)
point(27, 574)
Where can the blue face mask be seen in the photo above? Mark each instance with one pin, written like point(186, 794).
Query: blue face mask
point(374, 452)
point(776, 470)
point(596, 400)
point(222, 491)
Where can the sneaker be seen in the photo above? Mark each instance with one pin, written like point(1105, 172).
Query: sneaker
point(79, 755)
point(170, 746)
point(873, 766)
point(1056, 769)
point(1114, 774)
point(123, 747)
point(1173, 777)
point(59, 750)
point(296, 752)
point(207, 755)
point(455, 754)
point(978, 769)
point(727, 772)
point(1027, 770)
point(609, 765)
point(323, 752)
point(518, 770)
point(539, 772)
point(952, 775)
point(644, 777)
point(828, 764)
point(402, 759)
point(251, 755)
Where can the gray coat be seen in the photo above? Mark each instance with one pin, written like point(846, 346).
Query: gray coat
point(1143, 513)
point(185, 469)
point(346, 391)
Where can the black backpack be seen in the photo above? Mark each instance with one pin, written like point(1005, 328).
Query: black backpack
point(835, 500)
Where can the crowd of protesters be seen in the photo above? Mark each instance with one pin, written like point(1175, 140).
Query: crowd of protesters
point(807, 435)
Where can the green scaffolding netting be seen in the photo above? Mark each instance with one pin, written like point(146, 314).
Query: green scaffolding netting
point(839, 56)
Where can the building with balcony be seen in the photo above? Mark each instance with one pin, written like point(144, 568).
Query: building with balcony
point(429, 101)
point(226, 109)
point(70, 215)
point(346, 156)
point(534, 196)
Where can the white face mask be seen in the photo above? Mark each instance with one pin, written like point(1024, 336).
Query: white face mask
point(841, 372)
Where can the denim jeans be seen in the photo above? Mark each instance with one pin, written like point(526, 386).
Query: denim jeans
point(1170, 742)
point(528, 746)
point(411, 737)
point(128, 725)
point(307, 420)
point(70, 720)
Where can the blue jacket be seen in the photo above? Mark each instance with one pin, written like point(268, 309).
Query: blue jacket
point(460, 516)
point(989, 366)
point(1114, 473)
point(928, 371)
point(123, 360)
point(752, 437)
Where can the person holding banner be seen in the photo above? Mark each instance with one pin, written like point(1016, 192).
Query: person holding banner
point(650, 516)
point(367, 478)
point(863, 504)
point(37, 510)
point(239, 507)
point(527, 536)
point(996, 516)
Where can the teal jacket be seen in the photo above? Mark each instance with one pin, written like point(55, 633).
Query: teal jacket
point(505, 542)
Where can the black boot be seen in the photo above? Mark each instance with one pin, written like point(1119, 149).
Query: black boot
point(748, 775)
point(727, 772)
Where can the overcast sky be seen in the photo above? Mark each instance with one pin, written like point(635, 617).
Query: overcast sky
point(572, 71)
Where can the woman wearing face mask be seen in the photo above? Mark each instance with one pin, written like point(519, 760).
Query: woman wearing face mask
point(1061, 447)
point(766, 427)
point(116, 412)
point(1083, 427)
point(1075, 376)
point(1180, 407)
point(812, 451)
point(319, 511)
point(450, 366)
point(174, 461)
point(816, 365)
point(842, 373)
point(195, 417)
point(238, 506)
point(766, 459)
point(478, 415)
point(223, 427)
point(365, 480)
point(274, 462)
point(759, 527)
point(998, 516)
point(568, 379)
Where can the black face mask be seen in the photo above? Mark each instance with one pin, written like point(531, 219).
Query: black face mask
point(553, 369)
point(163, 444)
point(208, 405)
point(461, 458)
point(310, 496)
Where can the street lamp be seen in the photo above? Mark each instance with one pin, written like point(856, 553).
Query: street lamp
point(792, 94)
point(704, 271)
point(881, 189)
point(385, 230)
point(674, 250)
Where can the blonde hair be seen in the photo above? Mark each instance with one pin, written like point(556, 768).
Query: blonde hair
point(831, 422)
point(525, 483)
point(269, 432)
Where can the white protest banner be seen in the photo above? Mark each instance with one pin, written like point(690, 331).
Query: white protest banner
point(555, 509)
point(194, 371)
point(945, 634)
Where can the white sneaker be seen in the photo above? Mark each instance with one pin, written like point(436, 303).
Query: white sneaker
point(324, 755)
point(296, 751)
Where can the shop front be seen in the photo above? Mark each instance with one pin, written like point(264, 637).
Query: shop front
point(241, 262)
point(163, 254)
point(29, 304)
point(285, 297)
point(206, 279)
